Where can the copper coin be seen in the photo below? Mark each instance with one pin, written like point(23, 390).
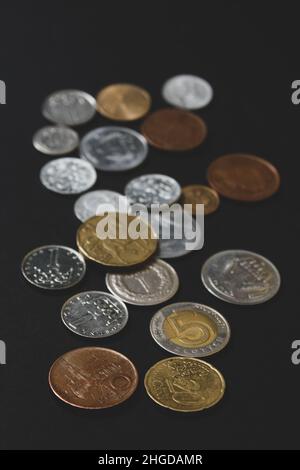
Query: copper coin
point(199, 194)
point(243, 177)
point(93, 378)
point(174, 129)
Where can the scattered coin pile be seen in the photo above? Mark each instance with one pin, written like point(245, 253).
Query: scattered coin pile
point(95, 377)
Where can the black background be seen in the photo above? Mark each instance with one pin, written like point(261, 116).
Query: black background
point(249, 55)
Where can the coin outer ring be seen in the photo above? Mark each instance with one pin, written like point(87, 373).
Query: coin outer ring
point(94, 292)
point(178, 409)
point(46, 151)
point(223, 328)
point(89, 98)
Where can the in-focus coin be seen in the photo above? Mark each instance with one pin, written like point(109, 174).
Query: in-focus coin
point(184, 384)
point(199, 194)
point(152, 285)
point(113, 148)
point(243, 177)
point(55, 140)
point(69, 107)
point(174, 129)
point(68, 175)
point(187, 92)
point(93, 378)
point(153, 189)
point(190, 329)
point(120, 249)
point(96, 202)
point(123, 102)
point(240, 277)
point(53, 267)
point(94, 314)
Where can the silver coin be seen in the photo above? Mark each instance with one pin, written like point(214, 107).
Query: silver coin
point(68, 175)
point(55, 140)
point(240, 277)
point(69, 107)
point(153, 189)
point(94, 314)
point(152, 285)
point(187, 92)
point(113, 148)
point(53, 267)
point(190, 329)
point(96, 202)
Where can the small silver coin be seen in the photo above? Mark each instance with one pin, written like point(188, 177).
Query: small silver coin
point(240, 277)
point(94, 314)
point(187, 92)
point(153, 189)
point(152, 285)
point(53, 267)
point(69, 107)
point(190, 329)
point(55, 140)
point(96, 202)
point(113, 148)
point(68, 175)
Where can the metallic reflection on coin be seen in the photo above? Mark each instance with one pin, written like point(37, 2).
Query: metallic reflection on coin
point(55, 140)
point(199, 194)
point(113, 148)
point(68, 175)
point(190, 329)
point(240, 277)
point(187, 92)
point(96, 202)
point(152, 285)
point(153, 189)
point(94, 314)
point(69, 107)
point(93, 378)
point(184, 384)
point(53, 267)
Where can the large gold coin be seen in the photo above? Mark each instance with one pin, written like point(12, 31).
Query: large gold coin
point(123, 102)
point(199, 194)
point(184, 384)
point(120, 248)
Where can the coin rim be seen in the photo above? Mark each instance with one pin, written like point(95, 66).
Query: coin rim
point(40, 148)
point(168, 82)
point(89, 98)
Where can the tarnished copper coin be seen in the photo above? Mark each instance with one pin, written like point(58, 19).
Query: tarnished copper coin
point(199, 194)
point(174, 129)
point(243, 177)
point(93, 378)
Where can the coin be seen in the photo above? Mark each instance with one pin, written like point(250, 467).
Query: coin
point(187, 92)
point(53, 267)
point(199, 194)
point(93, 378)
point(96, 202)
point(240, 277)
point(94, 314)
point(69, 107)
point(55, 140)
point(184, 384)
point(243, 177)
point(68, 175)
point(123, 102)
point(190, 329)
point(153, 189)
point(121, 249)
point(174, 129)
point(113, 148)
point(151, 285)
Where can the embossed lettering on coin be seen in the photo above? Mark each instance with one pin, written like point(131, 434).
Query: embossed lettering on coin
point(69, 107)
point(199, 194)
point(187, 92)
point(55, 140)
point(153, 189)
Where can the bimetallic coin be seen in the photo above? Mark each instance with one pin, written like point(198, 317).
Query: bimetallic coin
point(123, 102)
point(199, 194)
point(114, 148)
point(240, 277)
point(69, 107)
point(53, 267)
point(152, 285)
point(96, 202)
point(68, 175)
point(93, 378)
point(94, 314)
point(190, 329)
point(187, 92)
point(55, 140)
point(153, 189)
point(184, 384)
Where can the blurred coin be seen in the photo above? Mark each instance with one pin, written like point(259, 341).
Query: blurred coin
point(96, 202)
point(187, 92)
point(55, 140)
point(69, 107)
point(153, 189)
point(199, 194)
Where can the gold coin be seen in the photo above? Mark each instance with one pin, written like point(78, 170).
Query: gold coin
point(120, 248)
point(199, 194)
point(123, 102)
point(184, 384)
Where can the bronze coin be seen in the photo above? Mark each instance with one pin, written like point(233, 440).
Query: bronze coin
point(199, 194)
point(243, 177)
point(93, 378)
point(174, 129)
